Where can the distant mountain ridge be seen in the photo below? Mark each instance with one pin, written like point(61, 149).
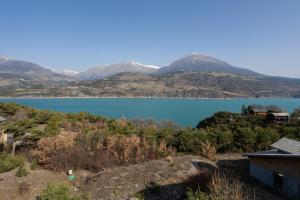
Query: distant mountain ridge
point(190, 63)
point(110, 70)
point(205, 64)
point(29, 70)
point(192, 76)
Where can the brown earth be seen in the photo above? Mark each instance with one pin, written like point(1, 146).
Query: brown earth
point(157, 180)
point(28, 187)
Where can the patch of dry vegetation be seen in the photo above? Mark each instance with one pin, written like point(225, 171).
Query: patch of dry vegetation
point(224, 186)
point(93, 152)
point(219, 186)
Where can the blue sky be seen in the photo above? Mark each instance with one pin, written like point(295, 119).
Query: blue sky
point(262, 35)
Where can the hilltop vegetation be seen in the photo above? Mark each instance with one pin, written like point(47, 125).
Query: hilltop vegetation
point(223, 132)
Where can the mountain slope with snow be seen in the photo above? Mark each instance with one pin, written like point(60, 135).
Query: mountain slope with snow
point(66, 72)
point(110, 70)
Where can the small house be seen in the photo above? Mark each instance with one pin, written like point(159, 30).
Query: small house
point(278, 168)
point(279, 117)
point(2, 119)
point(263, 111)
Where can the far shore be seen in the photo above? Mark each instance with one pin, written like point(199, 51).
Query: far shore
point(141, 97)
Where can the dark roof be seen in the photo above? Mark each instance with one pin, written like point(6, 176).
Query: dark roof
point(287, 145)
point(274, 153)
point(283, 148)
point(2, 119)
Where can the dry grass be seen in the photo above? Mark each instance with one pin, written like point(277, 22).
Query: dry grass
point(49, 146)
point(208, 150)
point(224, 186)
point(134, 149)
point(95, 152)
point(219, 185)
point(23, 188)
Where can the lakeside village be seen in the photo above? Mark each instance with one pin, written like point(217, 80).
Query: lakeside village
point(256, 154)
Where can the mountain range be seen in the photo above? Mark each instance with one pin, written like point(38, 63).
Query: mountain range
point(192, 76)
point(110, 70)
point(28, 70)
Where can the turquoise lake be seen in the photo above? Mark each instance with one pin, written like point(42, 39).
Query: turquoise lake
point(185, 112)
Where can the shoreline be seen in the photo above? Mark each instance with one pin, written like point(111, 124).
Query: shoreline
point(114, 97)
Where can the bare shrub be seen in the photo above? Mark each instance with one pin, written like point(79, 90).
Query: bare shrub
point(129, 149)
point(218, 185)
point(134, 149)
point(164, 150)
point(95, 151)
point(53, 152)
point(49, 146)
point(208, 150)
point(225, 186)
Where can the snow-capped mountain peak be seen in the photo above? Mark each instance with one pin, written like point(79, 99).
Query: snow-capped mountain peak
point(143, 65)
point(67, 72)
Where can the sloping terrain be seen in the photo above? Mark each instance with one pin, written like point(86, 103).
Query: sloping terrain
point(157, 180)
point(28, 187)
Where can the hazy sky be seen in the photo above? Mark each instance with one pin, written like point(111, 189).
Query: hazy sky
point(262, 35)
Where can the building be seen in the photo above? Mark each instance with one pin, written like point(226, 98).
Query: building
point(263, 111)
point(278, 168)
point(279, 117)
point(2, 119)
point(260, 111)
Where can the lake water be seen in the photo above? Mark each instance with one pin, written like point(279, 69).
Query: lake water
point(185, 112)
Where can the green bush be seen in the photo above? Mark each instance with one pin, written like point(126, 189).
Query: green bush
point(296, 113)
point(59, 191)
point(139, 196)
point(34, 165)
point(189, 140)
point(9, 108)
point(197, 195)
point(9, 162)
point(245, 138)
point(21, 172)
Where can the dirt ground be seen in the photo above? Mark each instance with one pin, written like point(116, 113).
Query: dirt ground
point(28, 187)
point(123, 182)
point(157, 179)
